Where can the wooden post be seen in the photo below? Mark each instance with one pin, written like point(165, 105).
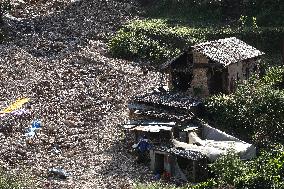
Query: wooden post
point(283, 50)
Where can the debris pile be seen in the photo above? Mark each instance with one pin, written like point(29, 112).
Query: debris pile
point(56, 56)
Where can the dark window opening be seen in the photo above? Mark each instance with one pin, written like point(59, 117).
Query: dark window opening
point(181, 81)
point(182, 62)
point(216, 82)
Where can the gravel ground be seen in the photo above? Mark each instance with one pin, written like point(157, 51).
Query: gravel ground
point(57, 56)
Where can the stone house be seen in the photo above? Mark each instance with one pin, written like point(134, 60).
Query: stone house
point(212, 67)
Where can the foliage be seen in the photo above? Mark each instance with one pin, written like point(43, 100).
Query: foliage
point(209, 184)
point(266, 12)
point(129, 44)
point(154, 185)
point(228, 168)
point(158, 40)
point(255, 111)
point(265, 172)
point(4, 6)
point(8, 181)
point(188, 11)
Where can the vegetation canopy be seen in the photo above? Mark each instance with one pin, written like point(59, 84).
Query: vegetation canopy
point(255, 111)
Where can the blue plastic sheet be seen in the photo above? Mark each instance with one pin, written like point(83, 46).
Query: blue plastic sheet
point(31, 132)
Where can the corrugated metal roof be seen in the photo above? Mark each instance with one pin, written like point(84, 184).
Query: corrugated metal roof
point(227, 51)
point(152, 128)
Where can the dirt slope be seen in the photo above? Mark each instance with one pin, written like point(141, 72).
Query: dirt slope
point(57, 56)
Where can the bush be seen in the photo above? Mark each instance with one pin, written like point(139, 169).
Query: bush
point(210, 184)
point(131, 46)
point(254, 112)
point(228, 168)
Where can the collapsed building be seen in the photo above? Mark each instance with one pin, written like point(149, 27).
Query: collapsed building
point(182, 144)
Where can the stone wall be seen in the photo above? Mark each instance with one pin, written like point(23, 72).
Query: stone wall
point(199, 58)
point(200, 81)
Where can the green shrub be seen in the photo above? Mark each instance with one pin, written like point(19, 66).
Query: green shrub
point(156, 40)
point(228, 168)
point(265, 172)
point(131, 46)
point(155, 185)
point(209, 184)
point(254, 112)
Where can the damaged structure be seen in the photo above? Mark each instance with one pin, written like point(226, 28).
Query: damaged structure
point(212, 67)
point(182, 144)
point(184, 151)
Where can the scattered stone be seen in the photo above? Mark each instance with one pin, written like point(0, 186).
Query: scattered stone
point(57, 56)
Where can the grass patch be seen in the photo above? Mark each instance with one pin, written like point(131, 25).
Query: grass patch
point(210, 184)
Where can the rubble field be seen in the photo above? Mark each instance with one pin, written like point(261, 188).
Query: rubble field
point(56, 55)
